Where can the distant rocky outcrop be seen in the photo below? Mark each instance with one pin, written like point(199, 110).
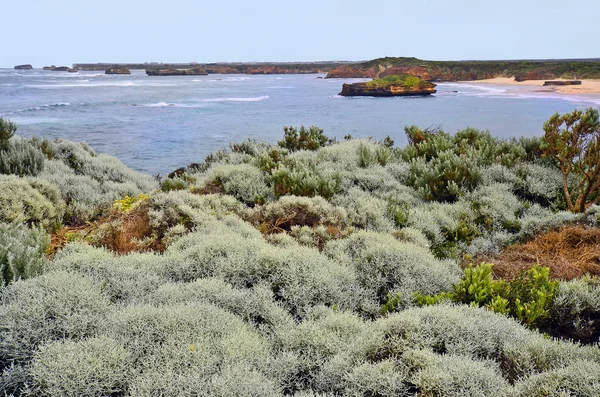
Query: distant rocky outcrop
point(470, 70)
point(117, 71)
point(60, 69)
point(23, 67)
point(396, 85)
point(563, 82)
point(176, 72)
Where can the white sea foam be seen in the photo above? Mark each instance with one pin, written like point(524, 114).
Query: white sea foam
point(171, 105)
point(43, 107)
point(251, 99)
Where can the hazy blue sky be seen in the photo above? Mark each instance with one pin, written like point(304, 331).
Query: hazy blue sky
point(57, 32)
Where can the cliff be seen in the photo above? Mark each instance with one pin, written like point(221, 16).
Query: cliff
point(23, 67)
point(396, 85)
point(470, 70)
point(117, 71)
point(225, 68)
point(176, 72)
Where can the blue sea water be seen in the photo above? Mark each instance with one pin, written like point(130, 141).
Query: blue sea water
point(157, 124)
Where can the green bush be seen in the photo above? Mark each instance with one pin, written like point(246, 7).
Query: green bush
point(22, 252)
point(528, 297)
point(7, 131)
point(305, 139)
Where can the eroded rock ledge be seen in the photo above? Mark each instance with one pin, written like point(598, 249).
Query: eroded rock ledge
point(395, 85)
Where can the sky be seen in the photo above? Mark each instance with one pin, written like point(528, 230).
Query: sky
point(63, 32)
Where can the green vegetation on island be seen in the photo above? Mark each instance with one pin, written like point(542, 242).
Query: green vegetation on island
point(309, 267)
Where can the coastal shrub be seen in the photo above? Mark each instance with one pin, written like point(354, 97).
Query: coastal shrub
point(22, 252)
point(91, 367)
point(524, 358)
point(575, 312)
point(294, 177)
point(364, 210)
point(384, 265)
point(52, 307)
point(385, 379)
point(449, 227)
point(87, 197)
point(255, 306)
point(444, 329)
point(125, 279)
point(455, 375)
point(31, 201)
point(540, 184)
point(313, 354)
point(580, 378)
point(7, 131)
point(495, 207)
point(446, 177)
point(180, 347)
point(304, 139)
point(19, 157)
point(527, 297)
point(243, 181)
point(289, 211)
point(572, 140)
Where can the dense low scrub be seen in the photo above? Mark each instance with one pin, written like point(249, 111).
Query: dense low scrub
point(296, 269)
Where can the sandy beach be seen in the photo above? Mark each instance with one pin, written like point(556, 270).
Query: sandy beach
point(586, 87)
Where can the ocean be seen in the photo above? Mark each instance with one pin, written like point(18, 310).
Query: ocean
point(157, 124)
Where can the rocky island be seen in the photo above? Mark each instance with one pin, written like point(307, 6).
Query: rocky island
point(562, 82)
point(395, 85)
point(23, 67)
point(59, 69)
point(117, 71)
point(176, 72)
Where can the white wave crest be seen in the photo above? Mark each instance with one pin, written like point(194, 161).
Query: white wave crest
point(251, 99)
point(43, 107)
point(170, 105)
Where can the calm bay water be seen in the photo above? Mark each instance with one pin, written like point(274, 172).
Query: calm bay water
point(157, 124)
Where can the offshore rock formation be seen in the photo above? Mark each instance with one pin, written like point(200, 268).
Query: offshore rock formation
point(563, 82)
point(117, 71)
point(403, 85)
point(23, 67)
point(176, 72)
point(60, 69)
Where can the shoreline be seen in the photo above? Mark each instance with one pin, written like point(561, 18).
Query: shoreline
point(589, 87)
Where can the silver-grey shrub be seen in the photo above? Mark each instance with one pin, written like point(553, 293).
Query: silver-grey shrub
point(385, 265)
point(364, 210)
point(30, 200)
point(575, 311)
point(125, 279)
point(385, 378)
point(245, 182)
point(53, 306)
point(90, 367)
point(454, 375)
point(22, 252)
point(21, 158)
point(580, 378)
